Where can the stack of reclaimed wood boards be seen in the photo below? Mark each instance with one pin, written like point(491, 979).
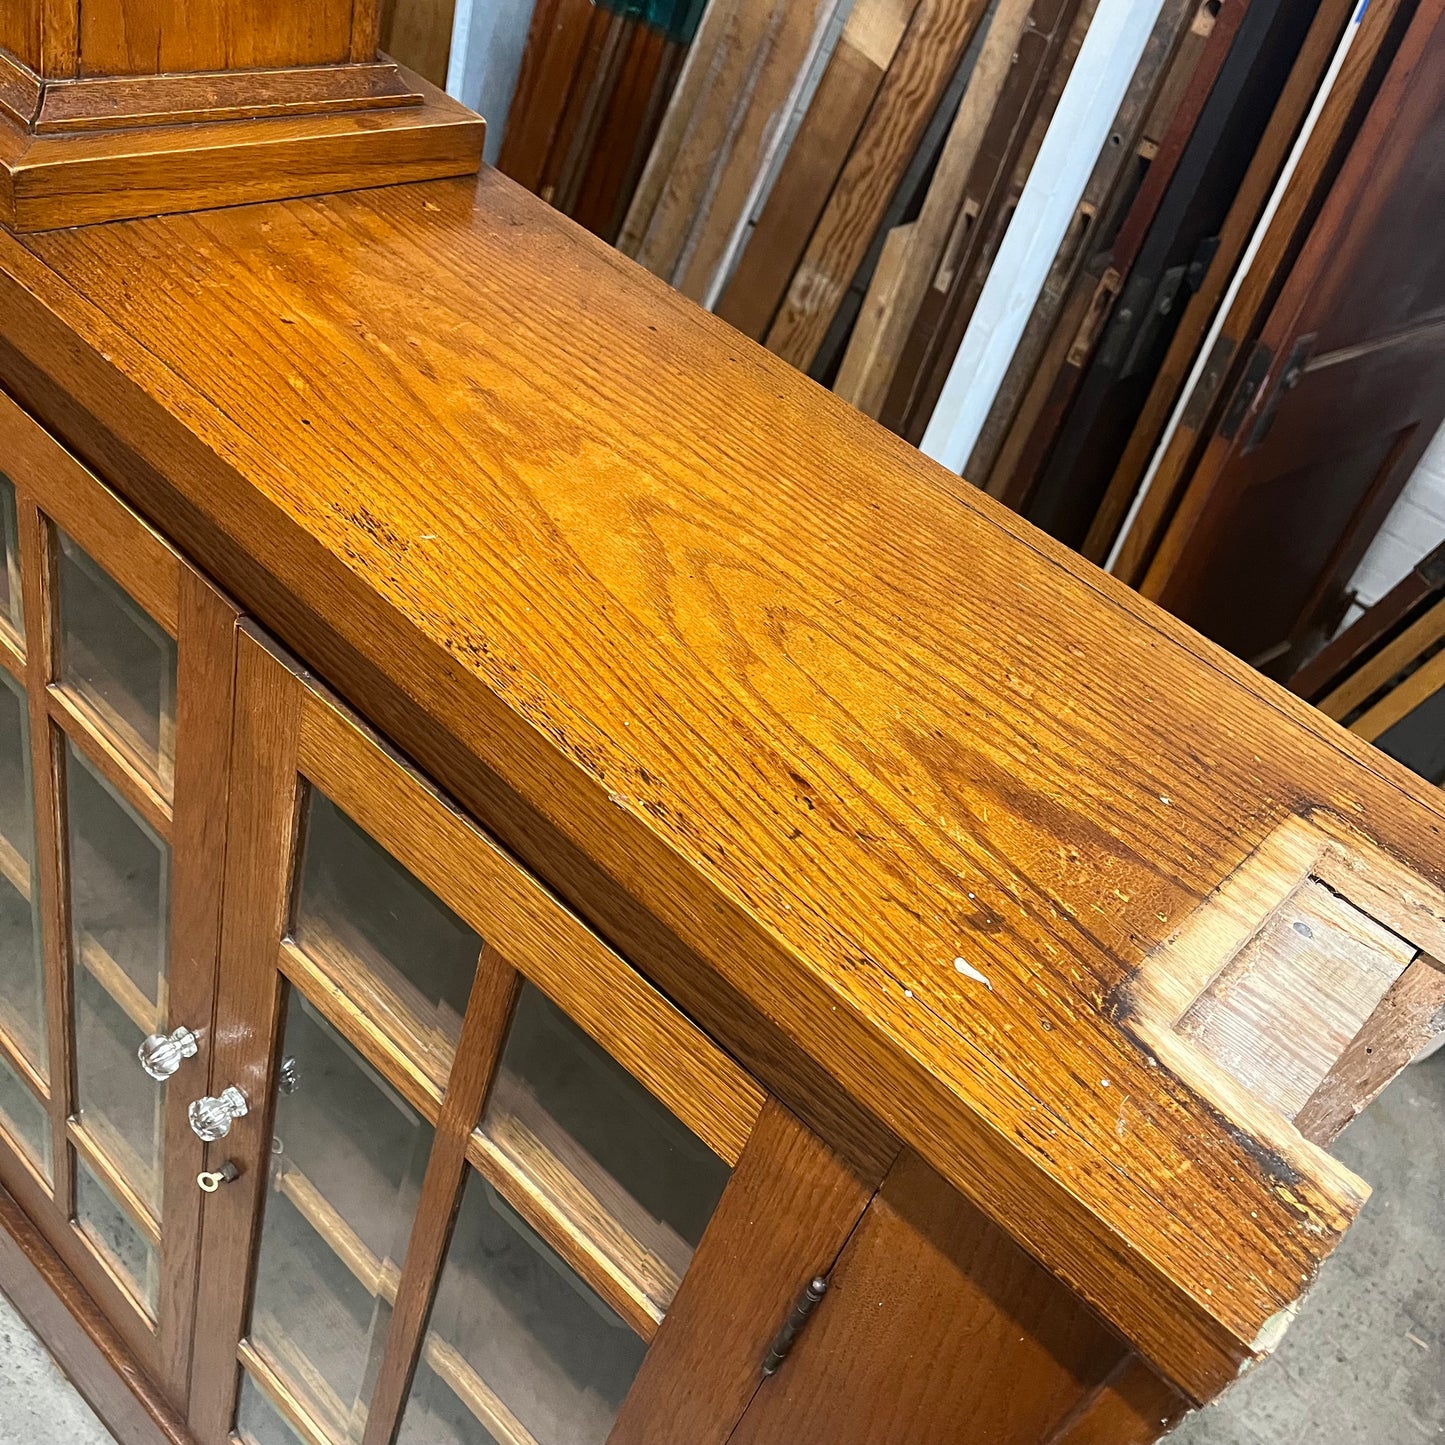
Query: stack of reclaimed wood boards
point(837, 178)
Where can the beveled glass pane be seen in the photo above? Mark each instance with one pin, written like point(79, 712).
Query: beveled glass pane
point(24, 1119)
point(121, 1107)
point(22, 967)
point(582, 1129)
point(257, 1420)
point(119, 916)
point(402, 956)
point(516, 1339)
point(118, 659)
point(115, 1237)
point(12, 611)
point(347, 1159)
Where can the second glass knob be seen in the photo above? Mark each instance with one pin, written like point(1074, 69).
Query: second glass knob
point(212, 1116)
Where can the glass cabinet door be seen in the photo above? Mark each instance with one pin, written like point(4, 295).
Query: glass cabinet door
point(473, 1152)
point(115, 699)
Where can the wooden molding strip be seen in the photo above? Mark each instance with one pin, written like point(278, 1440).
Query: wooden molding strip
point(20, 90)
point(107, 102)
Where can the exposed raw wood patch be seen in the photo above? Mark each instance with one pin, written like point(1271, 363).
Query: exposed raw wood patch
point(1288, 1004)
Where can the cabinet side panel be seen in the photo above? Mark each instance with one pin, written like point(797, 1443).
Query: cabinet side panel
point(145, 37)
point(936, 1326)
point(20, 31)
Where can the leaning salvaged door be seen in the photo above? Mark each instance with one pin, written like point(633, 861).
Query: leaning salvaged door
point(472, 1179)
point(1341, 396)
point(116, 664)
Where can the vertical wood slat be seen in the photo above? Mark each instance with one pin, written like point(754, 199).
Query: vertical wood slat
point(59, 39)
point(205, 691)
point(855, 70)
point(888, 310)
point(558, 33)
point(925, 64)
point(784, 1217)
point(692, 82)
point(489, 1011)
point(261, 838)
point(753, 132)
point(718, 106)
point(37, 572)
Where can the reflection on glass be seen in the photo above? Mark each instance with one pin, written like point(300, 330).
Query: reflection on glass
point(119, 915)
point(574, 1121)
point(118, 660)
point(346, 1167)
point(22, 968)
point(401, 954)
point(115, 1238)
point(257, 1422)
point(518, 1347)
point(23, 1118)
point(121, 1107)
point(12, 612)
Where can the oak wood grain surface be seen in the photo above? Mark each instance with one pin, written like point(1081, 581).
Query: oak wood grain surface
point(917, 783)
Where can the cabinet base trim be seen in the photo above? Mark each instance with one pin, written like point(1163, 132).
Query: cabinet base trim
point(72, 1328)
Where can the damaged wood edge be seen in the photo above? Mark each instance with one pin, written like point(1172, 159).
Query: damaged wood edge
point(1151, 1004)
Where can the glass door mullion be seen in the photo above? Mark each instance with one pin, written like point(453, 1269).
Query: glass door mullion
point(484, 1027)
point(37, 574)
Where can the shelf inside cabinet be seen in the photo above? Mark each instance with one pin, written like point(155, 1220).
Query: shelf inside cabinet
point(634, 1260)
point(379, 1278)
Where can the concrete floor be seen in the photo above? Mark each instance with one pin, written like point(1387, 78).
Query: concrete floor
point(1363, 1365)
point(38, 1405)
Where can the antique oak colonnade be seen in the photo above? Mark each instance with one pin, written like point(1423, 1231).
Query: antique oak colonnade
point(530, 833)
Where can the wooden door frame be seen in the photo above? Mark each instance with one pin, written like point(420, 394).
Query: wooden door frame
point(55, 490)
point(290, 734)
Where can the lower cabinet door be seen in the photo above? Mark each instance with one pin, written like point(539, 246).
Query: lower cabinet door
point(936, 1326)
point(472, 1180)
point(116, 665)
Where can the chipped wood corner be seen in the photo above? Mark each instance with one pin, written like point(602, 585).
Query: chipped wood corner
point(1289, 999)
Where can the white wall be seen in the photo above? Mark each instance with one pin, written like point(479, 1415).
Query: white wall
point(488, 37)
point(1415, 526)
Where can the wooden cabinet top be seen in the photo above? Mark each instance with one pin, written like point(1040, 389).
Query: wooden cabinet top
point(917, 788)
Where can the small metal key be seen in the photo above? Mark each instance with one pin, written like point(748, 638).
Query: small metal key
point(211, 1179)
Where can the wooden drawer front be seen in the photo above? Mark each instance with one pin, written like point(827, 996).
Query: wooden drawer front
point(480, 1152)
point(116, 663)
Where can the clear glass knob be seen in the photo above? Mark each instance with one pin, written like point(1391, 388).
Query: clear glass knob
point(211, 1117)
point(160, 1055)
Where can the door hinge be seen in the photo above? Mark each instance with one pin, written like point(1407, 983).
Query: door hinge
point(1289, 378)
point(1255, 372)
point(783, 1342)
point(1206, 389)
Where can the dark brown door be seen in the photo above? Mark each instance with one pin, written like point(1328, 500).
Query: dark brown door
point(1303, 468)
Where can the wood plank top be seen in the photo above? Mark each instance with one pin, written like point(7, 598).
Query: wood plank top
point(917, 783)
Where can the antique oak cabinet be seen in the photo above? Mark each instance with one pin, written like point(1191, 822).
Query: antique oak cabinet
point(557, 885)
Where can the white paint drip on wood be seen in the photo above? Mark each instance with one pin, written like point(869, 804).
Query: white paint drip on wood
point(969, 971)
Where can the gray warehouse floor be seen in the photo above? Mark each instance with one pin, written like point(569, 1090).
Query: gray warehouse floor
point(1363, 1365)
